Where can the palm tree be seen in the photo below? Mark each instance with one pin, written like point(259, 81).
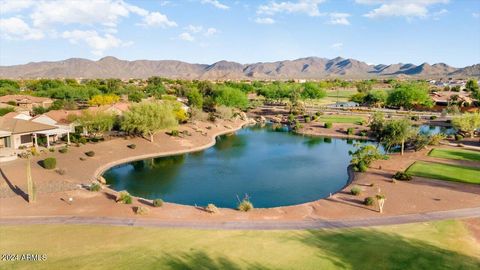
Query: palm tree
point(381, 201)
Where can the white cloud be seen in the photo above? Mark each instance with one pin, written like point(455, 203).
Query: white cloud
point(194, 28)
point(16, 28)
point(158, 19)
point(309, 7)
point(265, 20)
point(96, 42)
point(337, 46)
point(476, 14)
point(211, 31)
point(105, 12)
point(186, 36)
point(215, 3)
point(339, 18)
point(400, 8)
point(8, 6)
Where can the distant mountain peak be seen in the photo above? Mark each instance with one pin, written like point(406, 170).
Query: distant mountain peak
point(303, 68)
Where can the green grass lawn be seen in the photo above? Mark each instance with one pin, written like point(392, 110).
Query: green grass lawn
point(341, 93)
point(455, 154)
point(435, 245)
point(341, 119)
point(445, 172)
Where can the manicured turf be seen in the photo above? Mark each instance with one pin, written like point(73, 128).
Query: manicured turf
point(445, 172)
point(455, 154)
point(341, 93)
point(341, 119)
point(436, 245)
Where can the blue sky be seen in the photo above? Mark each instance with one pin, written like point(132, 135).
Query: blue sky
point(206, 31)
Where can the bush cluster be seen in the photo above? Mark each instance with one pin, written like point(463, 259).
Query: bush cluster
point(403, 176)
point(95, 187)
point(245, 205)
point(355, 190)
point(63, 150)
point(90, 153)
point(350, 131)
point(124, 197)
point(328, 125)
point(369, 201)
point(158, 202)
point(49, 163)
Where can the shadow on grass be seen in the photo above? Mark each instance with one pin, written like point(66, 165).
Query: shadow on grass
point(199, 260)
point(360, 249)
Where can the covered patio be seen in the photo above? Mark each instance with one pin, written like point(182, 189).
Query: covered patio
point(52, 136)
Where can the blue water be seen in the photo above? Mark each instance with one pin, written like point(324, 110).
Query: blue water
point(273, 166)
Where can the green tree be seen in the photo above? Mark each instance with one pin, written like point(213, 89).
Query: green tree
point(95, 122)
point(364, 156)
point(376, 98)
point(195, 98)
point(149, 118)
point(364, 86)
point(312, 91)
point(471, 85)
point(377, 124)
point(467, 123)
point(396, 132)
point(135, 96)
point(410, 94)
point(231, 97)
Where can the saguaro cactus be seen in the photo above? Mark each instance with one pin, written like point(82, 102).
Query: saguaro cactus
point(30, 184)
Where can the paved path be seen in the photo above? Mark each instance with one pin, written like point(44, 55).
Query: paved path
point(247, 225)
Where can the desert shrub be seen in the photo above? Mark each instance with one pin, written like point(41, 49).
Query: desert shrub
point(82, 140)
point(51, 149)
point(224, 112)
point(245, 205)
point(350, 131)
point(369, 201)
point(291, 118)
point(435, 139)
point(49, 163)
point(63, 150)
point(94, 140)
point(90, 153)
point(363, 133)
point(61, 171)
point(158, 202)
point(433, 117)
point(355, 190)
point(415, 118)
point(307, 118)
point(403, 176)
point(174, 133)
point(124, 197)
point(132, 146)
point(211, 208)
point(328, 125)
point(458, 137)
point(141, 210)
point(196, 114)
point(82, 159)
point(95, 187)
point(318, 113)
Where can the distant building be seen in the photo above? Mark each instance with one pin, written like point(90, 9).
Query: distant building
point(347, 104)
point(26, 102)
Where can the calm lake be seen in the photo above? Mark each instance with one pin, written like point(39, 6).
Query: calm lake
point(273, 166)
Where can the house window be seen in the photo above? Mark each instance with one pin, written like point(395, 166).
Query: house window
point(26, 138)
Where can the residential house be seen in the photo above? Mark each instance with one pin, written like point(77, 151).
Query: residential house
point(16, 133)
point(26, 102)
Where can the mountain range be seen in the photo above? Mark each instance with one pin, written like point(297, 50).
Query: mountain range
point(303, 68)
